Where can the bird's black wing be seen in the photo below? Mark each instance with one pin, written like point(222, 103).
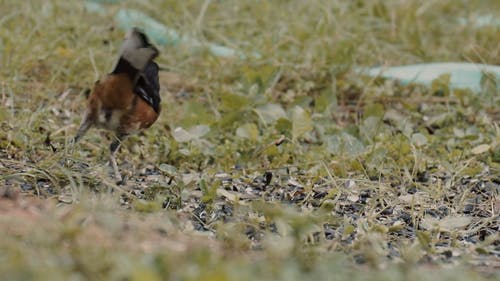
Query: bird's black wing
point(148, 86)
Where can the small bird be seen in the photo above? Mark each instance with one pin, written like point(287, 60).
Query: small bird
point(127, 100)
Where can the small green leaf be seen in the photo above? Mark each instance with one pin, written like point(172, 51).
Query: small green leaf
point(480, 149)
point(374, 110)
point(145, 206)
point(199, 131)
point(167, 169)
point(380, 228)
point(418, 139)
point(270, 113)
point(248, 131)
point(284, 126)
point(232, 102)
point(301, 122)
point(490, 83)
point(441, 84)
point(181, 135)
point(449, 223)
point(196, 132)
point(344, 143)
point(348, 230)
point(209, 192)
point(370, 128)
point(396, 227)
point(326, 102)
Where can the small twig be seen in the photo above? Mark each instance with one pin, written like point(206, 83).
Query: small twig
point(203, 223)
point(213, 107)
point(201, 15)
point(115, 187)
point(94, 66)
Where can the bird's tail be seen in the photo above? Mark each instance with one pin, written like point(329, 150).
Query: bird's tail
point(136, 53)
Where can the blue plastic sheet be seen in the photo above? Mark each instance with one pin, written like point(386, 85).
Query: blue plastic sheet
point(462, 75)
point(480, 21)
point(161, 34)
point(158, 32)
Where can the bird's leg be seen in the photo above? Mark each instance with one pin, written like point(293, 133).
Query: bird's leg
point(86, 123)
point(84, 127)
point(115, 145)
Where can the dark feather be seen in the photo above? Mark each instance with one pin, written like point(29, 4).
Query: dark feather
point(123, 66)
point(133, 53)
point(144, 38)
point(148, 86)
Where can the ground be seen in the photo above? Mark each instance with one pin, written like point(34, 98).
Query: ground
point(282, 162)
